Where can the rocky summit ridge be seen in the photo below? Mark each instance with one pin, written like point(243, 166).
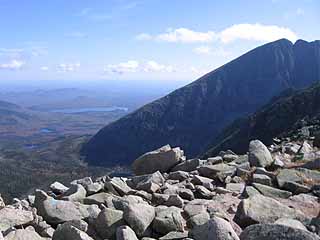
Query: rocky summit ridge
point(268, 193)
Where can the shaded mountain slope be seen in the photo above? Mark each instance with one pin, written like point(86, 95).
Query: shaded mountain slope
point(192, 116)
point(278, 118)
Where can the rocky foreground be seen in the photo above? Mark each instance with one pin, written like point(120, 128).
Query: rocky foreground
point(267, 194)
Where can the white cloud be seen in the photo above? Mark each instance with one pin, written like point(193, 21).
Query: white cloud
point(12, 65)
point(256, 32)
point(125, 67)
point(134, 66)
point(245, 31)
point(68, 67)
point(185, 35)
point(44, 68)
point(152, 66)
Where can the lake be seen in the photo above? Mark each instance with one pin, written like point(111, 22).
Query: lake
point(91, 109)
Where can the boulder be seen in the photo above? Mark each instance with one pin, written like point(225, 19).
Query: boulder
point(58, 188)
point(174, 200)
point(291, 223)
point(23, 234)
point(261, 209)
point(67, 231)
point(107, 223)
point(175, 236)
point(167, 220)
point(216, 228)
point(203, 193)
point(75, 193)
point(178, 175)
point(271, 192)
point(259, 155)
point(188, 165)
point(125, 233)
point(276, 232)
point(139, 217)
point(185, 193)
point(262, 179)
point(94, 188)
point(194, 209)
point(220, 171)
point(299, 175)
point(161, 159)
point(11, 217)
point(118, 186)
point(58, 211)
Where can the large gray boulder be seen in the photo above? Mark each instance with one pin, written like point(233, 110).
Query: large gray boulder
point(108, 221)
point(10, 217)
point(67, 231)
point(261, 209)
point(271, 191)
point(75, 193)
point(126, 233)
point(275, 232)
point(167, 220)
point(259, 155)
point(301, 176)
point(139, 217)
point(216, 228)
point(220, 171)
point(161, 159)
point(58, 211)
point(23, 234)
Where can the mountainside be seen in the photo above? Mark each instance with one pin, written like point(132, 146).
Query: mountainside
point(192, 116)
point(278, 118)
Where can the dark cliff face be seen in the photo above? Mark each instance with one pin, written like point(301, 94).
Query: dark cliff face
point(278, 118)
point(192, 116)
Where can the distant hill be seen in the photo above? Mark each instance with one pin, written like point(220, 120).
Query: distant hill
point(281, 116)
point(12, 114)
point(193, 116)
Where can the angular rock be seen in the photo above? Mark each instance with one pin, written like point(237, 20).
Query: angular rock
point(203, 193)
point(66, 231)
point(167, 220)
point(10, 217)
point(259, 155)
point(58, 188)
point(23, 234)
point(125, 233)
point(100, 198)
point(139, 217)
point(174, 201)
point(188, 165)
point(312, 165)
point(161, 159)
point(291, 223)
point(185, 193)
point(94, 188)
point(249, 191)
point(220, 171)
point(59, 211)
point(194, 209)
point(275, 232)
point(216, 228)
point(75, 193)
point(271, 192)
point(175, 236)
point(236, 187)
point(118, 186)
point(261, 209)
point(262, 179)
point(107, 222)
point(178, 175)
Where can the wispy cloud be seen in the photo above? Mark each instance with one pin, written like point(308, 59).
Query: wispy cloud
point(253, 32)
point(44, 68)
point(134, 66)
point(68, 67)
point(124, 67)
point(12, 65)
point(256, 32)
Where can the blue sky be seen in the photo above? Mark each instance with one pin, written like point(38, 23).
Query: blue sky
point(169, 40)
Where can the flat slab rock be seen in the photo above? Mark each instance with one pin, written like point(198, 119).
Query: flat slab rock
point(276, 232)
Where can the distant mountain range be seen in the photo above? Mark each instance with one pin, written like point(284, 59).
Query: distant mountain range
point(283, 115)
point(193, 116)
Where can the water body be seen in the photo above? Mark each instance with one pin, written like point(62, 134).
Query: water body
point(46, 130)
point(91, 109)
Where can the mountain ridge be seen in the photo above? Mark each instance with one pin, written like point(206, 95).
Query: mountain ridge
point(193, 115)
